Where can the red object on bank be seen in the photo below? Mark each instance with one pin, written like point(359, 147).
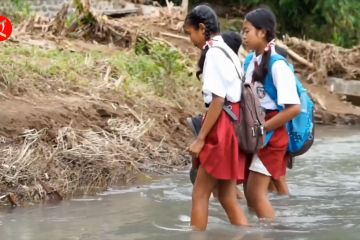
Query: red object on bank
point(5, 28)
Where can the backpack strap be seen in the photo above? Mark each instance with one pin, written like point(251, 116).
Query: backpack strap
point(271, 89)
point(269, 81)
point(270, 86)
point(242, 78)
point(226, 108)
point(268, 137)
point(247, 61)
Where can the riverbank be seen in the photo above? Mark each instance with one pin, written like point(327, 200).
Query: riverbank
point(78, 115)
point(81, 120)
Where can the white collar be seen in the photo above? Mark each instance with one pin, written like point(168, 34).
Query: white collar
point(217, 38)
point(259, 57)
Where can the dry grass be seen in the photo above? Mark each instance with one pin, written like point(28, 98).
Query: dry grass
point(329, 60)
point(83, 162)
point(89, 160)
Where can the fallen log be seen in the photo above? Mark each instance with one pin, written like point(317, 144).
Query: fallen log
point(118, 13)
point(185, 6)
point(174, 36)
point(296, 56)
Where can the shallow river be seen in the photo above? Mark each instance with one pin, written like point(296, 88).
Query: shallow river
point(325, 204)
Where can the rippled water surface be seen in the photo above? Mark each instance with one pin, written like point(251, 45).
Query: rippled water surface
point(325, 204)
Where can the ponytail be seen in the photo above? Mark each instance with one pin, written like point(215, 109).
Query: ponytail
point(263, 18)
point(262, 70)
point(207, 16)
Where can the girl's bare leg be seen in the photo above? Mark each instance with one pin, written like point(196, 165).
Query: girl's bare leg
point(203, 187)
point(281, 186)
point(229, 201)
point(239, 194)
point(257, 194)
point(272, 188)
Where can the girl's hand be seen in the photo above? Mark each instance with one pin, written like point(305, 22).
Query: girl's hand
point(196, 147)
point(212, 115)
point(280, 119)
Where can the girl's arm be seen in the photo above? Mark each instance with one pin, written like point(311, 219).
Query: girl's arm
point(212, 115)
point(285, 83)
point(280, 119)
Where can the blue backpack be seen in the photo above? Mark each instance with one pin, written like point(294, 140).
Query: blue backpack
point(301, 129)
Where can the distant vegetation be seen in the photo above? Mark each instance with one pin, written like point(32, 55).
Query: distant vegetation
point(335, 21)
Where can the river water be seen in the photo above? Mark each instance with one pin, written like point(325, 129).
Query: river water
point(325, 204)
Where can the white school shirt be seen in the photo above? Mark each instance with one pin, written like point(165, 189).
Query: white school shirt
point(284, 81)
point(219, 74)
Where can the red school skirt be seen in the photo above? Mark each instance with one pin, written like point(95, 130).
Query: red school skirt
point(221, 156)
point(274, 154)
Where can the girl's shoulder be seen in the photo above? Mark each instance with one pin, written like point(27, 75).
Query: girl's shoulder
point(279, 62)
point(214, 50)
point(219, 54)
point(282, 71)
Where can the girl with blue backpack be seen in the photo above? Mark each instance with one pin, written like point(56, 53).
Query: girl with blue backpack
point(219, 160)
point(269, 78)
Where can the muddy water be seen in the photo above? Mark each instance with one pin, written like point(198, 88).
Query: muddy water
point(325, 204)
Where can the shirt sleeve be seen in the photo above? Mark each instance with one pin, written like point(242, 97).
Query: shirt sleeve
point(214, 72)
point(285, 83)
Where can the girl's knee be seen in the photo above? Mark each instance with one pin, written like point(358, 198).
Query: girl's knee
point(227, 201)
point(200, 193)
point(228, 197)
point(254, 194)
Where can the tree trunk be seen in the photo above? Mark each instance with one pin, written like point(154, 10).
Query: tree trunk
point(185, 5)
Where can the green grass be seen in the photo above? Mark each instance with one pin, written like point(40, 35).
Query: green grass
point(18, 10)
point(234, 25)
point(19, 64)
point(161, 71)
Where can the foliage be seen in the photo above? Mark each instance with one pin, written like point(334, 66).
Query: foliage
point(161, 71)
point(335, 21)
point(83, 15)
point(160, 67)
point(20, 9)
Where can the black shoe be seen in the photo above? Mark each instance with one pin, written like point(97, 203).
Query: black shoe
point(290, 162)
point(193, 174)
point(195, 124)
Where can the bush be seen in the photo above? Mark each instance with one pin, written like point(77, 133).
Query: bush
point(162, 69)
point(335, 21)
point(20, 9)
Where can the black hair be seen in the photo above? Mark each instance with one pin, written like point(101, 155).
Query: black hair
point(207, 16)
point(233, 40)
point(263, 19)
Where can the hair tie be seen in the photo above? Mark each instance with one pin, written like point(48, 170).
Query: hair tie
point(209, 44)
point(269, 45)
